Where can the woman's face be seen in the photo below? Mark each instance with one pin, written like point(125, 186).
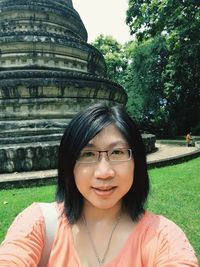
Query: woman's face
point(104, 183)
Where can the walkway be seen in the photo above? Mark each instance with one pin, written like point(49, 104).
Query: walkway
point(170, 154)
point(167, 151)
point(165, 155)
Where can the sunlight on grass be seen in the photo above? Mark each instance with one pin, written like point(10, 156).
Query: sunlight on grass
point(175, 194)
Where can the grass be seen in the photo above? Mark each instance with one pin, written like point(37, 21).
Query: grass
point(174, 194)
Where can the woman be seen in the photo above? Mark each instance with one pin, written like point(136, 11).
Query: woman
point(103, 185)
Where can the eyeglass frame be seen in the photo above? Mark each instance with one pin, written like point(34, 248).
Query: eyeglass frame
point(107, 155)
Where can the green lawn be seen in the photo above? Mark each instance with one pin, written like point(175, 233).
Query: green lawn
point(175, 193)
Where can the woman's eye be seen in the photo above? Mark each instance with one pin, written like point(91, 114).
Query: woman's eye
point(87, 154)
point(117, 152)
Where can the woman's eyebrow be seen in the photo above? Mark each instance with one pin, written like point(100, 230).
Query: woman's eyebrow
point(89, 145)
point(113, 144)
point(118, 143)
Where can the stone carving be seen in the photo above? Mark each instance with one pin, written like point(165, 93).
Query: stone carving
point(28, 158)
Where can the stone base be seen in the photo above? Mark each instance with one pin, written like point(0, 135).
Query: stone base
point(149, 142)
point(28, 157)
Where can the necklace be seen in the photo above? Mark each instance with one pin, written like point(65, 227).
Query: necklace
point(100, 261)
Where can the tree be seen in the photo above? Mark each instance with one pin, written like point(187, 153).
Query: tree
point(179, 23)
point(115, 59)
point(146, 102)
point(182, 78)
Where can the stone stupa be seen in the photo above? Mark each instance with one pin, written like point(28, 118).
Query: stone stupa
point(48, 72)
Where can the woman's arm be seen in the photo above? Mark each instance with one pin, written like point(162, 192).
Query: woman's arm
point(24, 241)
point(174, 249)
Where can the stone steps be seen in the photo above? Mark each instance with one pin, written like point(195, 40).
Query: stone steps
point(33, 125)
point(29, 132)
point(17, 139)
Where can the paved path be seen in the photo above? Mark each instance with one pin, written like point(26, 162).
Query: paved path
point(168, 151)
point(163, 152)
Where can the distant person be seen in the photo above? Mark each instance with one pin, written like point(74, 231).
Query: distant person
point(188, 139)
point(103, 185)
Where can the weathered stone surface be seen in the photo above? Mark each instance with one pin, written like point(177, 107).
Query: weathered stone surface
point(48, 73)
point(149, 142)
point(28, 157)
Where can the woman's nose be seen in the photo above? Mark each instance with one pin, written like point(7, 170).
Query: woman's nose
point(103, 169)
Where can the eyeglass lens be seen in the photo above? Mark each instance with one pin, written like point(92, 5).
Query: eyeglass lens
point(118, 154)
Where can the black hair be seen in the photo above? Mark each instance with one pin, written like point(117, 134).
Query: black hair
point(81, 129)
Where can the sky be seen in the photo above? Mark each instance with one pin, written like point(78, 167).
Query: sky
point(105, 17)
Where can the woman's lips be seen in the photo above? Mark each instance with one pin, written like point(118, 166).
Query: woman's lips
point(104, 191)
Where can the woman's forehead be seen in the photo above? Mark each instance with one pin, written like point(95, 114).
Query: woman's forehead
point(109, 136)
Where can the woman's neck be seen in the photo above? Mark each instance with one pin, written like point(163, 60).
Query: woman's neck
point(93, 214)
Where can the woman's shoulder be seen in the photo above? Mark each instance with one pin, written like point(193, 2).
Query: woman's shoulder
point(27, 219)
point(36, 208)
point(167, 236)
point(161, 225)
point(25, 234)
point(30, 217)
point(157, 222)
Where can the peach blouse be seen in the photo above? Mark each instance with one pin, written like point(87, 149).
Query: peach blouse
point(154, 241)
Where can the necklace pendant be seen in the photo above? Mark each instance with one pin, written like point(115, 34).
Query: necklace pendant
point(101, 262)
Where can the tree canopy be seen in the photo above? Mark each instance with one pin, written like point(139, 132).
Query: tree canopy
point(160, 68)
point(113, 53)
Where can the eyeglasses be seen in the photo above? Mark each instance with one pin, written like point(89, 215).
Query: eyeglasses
point(115, 155)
